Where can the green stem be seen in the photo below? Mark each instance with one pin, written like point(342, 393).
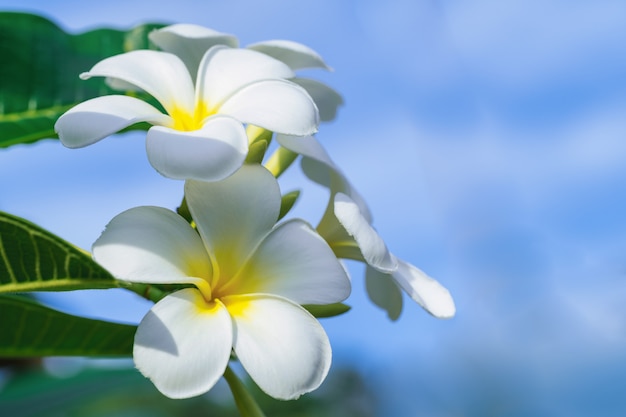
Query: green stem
point(256, 134)
point(280, 160)
point(246, 404)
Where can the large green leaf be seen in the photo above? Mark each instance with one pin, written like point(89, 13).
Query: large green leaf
point(40, 67)
point(33, 259)
point(31, 329)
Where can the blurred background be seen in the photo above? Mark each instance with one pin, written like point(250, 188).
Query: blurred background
point(488, 138)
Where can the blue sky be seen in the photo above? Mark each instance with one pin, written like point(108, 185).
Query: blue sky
point(488, 140)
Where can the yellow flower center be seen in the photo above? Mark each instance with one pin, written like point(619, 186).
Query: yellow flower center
point(185, 121)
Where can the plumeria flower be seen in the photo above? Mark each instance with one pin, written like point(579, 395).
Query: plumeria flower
point(189, 42)
point(201, 135)
point(249, 276)
point(347, 227)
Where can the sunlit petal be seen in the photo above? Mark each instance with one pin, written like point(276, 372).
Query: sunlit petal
point(233, 215)
point(224, 71)
point(384, 292)
point(295, 262)
point(212, 153)
point(161, 74)
point(152, 245)
point(326, 99)
point(309, 147)
point(189, 42)
point(294, 54)
point(424, 290)
point(183, 344)
point(95, 119)
point(277, 105)
point(369, 241)
point(283, 348)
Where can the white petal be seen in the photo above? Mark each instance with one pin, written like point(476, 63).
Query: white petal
point(318, 167)
point(161, 74)
point(223, 71)
point(189, 42)
point(384, 292)
point(308, 147)
point(95, 119)
point(152, 245)
point(283, 347)
point(294, 54)
point(233, 215)
point(277, 105)
point(425, 291)
point(369, 241)
point(212, 153)
point(326, 99)
point(183, 344)
point(293, 261)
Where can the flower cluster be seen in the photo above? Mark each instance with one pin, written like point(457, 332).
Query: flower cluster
point(243, 275)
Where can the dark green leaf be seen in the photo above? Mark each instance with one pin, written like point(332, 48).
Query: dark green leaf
point(31, 329)
point(33, 259)
point(40, 67)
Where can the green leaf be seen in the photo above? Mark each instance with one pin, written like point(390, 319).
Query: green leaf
point(40, 67)
point(287, 202)
point(33, 259)
point(31, 329)
point(327, 310)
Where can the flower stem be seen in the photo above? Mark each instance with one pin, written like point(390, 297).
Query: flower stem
point(246, 404)
point(280, 160)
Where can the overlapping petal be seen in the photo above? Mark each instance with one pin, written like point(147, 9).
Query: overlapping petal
point(189, 42)
point(212, 153)
point(282, 347)
point(294, 54)
point(152, 245)
point(276, 105)
point(161, 74)
point(368, 240)
point(296, 263)
point(346, 224)
point(95, 119)
point(424, 290)
point(326, 99)
point(224, 71)
point(384, 292)
point(233, 215)
point(184, 343)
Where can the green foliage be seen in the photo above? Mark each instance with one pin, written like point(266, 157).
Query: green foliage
point(33, 259)
point(31, 329)
point(125, 392)
point(40, 67)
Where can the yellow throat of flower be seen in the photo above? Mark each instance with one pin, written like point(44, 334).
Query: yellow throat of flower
point(186, 121)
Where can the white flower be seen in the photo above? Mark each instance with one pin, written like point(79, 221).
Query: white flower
point(347, 227)
point(189, 42)
point(251, 278)
point(201, 136)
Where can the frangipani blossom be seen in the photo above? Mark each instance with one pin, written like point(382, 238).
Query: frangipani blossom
point(189, 42)
point(347, 227)
point(250, 279)
point(201, 136)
